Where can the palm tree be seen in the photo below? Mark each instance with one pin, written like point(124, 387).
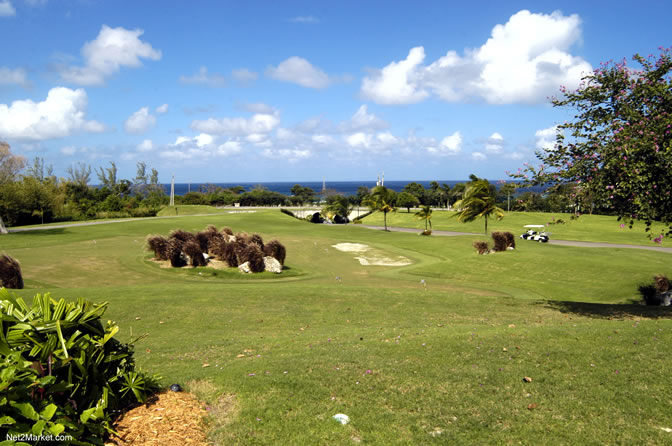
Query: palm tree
point(425, 213)
point(381, 199)
point(478, 202)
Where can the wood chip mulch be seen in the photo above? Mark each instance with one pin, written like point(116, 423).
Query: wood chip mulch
point(169, 418)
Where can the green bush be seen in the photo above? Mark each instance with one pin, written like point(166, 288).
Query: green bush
point(61, 370)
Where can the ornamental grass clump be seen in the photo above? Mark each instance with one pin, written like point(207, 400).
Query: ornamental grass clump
point(500, 241)
point(510, 240)
point(62, 373)
point(10, 272)
point(481, 247)
point(158, 245)
point(174, 253)
point(276, 250)
point(257, 240)
point(193, 250)
point(254, 256)
point(181, 235)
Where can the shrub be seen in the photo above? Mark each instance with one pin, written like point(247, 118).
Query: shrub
point(316, 218)
point(252, 254)
point(276, 250)
point(499, 238)
point(257, 240)
point(158, 245)
point(61, 370)
point(510, 239)
point(10, 272)
point(481, 247)
point(174, 253)
point(203, 240)
point(215, 238)
point(193, 250)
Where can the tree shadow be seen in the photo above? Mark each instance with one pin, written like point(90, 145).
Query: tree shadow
point(609, 311)
point(42, 231)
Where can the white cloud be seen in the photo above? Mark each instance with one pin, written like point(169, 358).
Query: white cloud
point(259, 108)
point(495, 143)
point(213, 80)
point(305, 19)
point(162, 109)
point(301, 72)
point(546, 138)
point(363, 120)
point(146, 146)
point(524, 61)
point(200, 148)
point(260, 123)
point(69, 150)
point(15, 76)
point(359, 139)
point(62, 113)
point(291, 155)
point(478, 156)
point(322, 139)
point(244, 76)
point(112, 49)
point(450, 145)
point(229, 148)
point(6, 9)
point(398, 82)
point(515, 155)
point(140, 121)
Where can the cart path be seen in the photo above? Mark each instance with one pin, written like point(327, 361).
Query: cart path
point(551, 242)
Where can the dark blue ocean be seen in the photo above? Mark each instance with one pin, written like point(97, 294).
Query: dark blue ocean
point(342, 187)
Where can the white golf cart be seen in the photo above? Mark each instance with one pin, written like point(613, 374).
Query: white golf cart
point(535, 233)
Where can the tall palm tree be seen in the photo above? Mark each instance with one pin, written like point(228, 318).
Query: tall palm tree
point(425, 213)
point(381, 199)
point(478, 202)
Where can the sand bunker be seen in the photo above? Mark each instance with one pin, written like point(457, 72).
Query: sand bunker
point(371, 256)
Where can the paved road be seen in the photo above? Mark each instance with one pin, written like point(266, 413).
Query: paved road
point(552, 242)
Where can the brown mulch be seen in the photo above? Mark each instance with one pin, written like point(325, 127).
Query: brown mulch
point(168, 418)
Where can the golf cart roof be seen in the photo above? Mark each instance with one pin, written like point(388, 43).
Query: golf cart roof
point(534, 226)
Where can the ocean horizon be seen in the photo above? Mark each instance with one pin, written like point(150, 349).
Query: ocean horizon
point(284, 187)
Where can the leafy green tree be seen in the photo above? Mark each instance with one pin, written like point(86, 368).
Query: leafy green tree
point(478, 202)
point(381, 199)
point(618, 146)
point(416, 190)
point(425, 213)
point(79, 174)
point(108, 177)
point(10, 165)
point(407, 200)
point(337, 205)
point(302, 194)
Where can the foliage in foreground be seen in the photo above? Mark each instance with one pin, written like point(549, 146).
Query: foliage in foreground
point(61, 370)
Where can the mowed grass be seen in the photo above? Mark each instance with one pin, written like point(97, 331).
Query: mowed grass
point(410, 363)
point(589, 228)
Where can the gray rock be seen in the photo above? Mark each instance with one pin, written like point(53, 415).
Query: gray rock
point(666, 299)
point(245, 268)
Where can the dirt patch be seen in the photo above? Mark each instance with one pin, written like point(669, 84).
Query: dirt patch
point(169, 418)
point(371, 256)
point(212, 263)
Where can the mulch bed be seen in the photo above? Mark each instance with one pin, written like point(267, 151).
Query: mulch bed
point(168, 418)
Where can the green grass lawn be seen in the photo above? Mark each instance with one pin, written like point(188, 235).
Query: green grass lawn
point(443, 362)
point(593, 228)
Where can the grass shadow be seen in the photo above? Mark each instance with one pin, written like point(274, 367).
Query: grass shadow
point(609, 311)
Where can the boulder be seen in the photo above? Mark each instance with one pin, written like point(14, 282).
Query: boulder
point(272, 264)
point(666, 298)
point(245, 268)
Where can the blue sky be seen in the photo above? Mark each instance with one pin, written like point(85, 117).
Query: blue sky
point(220, 91)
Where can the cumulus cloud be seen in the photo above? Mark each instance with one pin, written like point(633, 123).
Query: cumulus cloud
point(7, 9)
point(16, 76)
point(363, 120)
point(62, 113)
point(301, 72)
point(258, 107)
point(398, 82)
point(162, 109)
point(200, 148)
point(112, 49)
point(545, 138)
point(213, 80)
point(450, 145)
point(495, 143)
point(478, 156)
point(291, 155)
point(524, 61)
point(140, 121)
point(260, 123)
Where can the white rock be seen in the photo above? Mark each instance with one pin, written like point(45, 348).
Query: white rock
point(245, 268)
point(271, 264)
point(341, 418)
